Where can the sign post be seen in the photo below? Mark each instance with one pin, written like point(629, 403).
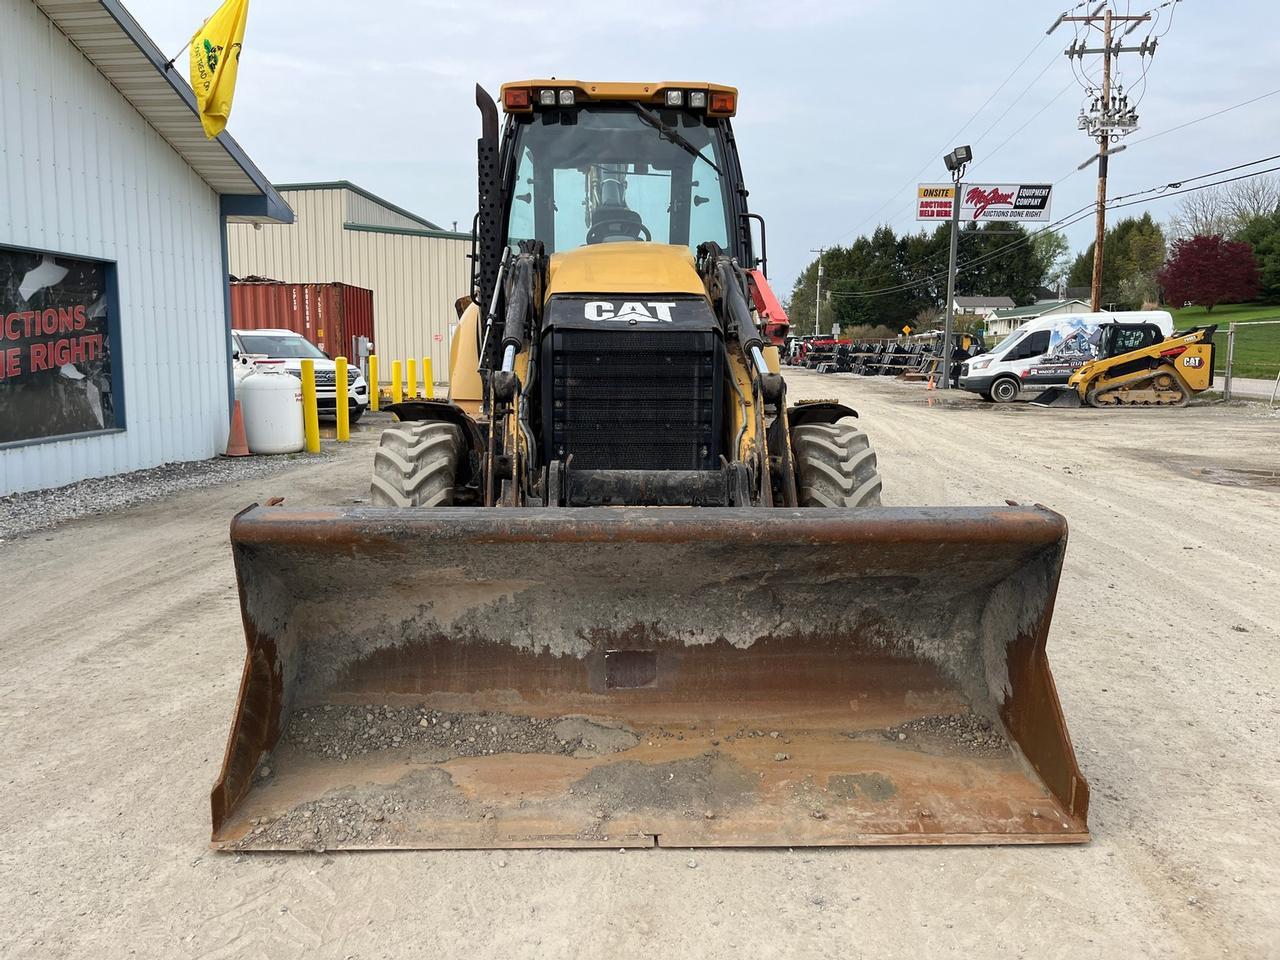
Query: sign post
point(951, 288)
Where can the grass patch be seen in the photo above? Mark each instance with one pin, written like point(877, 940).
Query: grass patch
point(1257, 350)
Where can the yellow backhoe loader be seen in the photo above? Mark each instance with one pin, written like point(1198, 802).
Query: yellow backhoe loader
point(1137, 366)
point(620, 590)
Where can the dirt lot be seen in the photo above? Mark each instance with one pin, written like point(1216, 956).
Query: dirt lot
point(121, 649)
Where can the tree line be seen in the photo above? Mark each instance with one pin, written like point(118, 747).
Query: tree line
point(909, 274)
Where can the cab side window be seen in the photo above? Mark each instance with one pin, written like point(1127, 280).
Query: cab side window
point(1032, 346)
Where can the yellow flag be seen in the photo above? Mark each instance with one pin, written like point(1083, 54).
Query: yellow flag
point(215, 57)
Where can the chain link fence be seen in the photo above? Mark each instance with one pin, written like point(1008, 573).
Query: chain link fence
point(1249, 360)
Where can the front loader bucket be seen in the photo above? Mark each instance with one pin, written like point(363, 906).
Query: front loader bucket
point(1057, 397)
point(469, 677)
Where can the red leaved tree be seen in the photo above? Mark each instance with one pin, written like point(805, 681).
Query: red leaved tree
point(1208, 271)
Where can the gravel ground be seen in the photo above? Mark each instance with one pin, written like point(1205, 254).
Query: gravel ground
point(967, 732)
point(340, 732)
point(122, 646)
point(26, 513)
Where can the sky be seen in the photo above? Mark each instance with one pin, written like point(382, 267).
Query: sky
point(843, 106)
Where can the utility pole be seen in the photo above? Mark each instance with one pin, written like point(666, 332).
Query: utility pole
point(1110, 116)
point(817, 297)
point(1100, 217)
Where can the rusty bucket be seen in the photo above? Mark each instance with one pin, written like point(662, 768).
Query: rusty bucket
point(481, 678)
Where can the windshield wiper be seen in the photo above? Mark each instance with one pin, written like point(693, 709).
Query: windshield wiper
point(674, 136)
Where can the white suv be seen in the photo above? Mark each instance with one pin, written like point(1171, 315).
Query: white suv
point(293, 348)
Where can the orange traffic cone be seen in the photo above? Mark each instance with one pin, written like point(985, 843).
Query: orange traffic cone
point(930, 386)
point(236, 444)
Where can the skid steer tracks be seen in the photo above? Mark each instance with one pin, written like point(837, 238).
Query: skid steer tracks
point(122, 646)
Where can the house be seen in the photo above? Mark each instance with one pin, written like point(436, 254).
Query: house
point(346, 234)
point(1004, 322)
point(982, 307)
point(115, 346)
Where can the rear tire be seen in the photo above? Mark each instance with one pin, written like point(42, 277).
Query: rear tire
point(1005, 390)
point(415, 465)
point(835, 466)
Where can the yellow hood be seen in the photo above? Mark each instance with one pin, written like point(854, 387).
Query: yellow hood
point(629, 267)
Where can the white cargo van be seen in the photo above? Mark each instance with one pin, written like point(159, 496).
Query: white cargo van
point(1045, 352)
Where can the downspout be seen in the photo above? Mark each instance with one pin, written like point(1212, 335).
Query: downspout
point(226, 307)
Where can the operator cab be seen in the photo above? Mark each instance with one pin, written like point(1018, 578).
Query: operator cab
point(588, 164)
point(1122, 338)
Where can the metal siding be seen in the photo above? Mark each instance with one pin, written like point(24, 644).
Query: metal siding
point(371, 213)
point(415, 280)
point(84, 174)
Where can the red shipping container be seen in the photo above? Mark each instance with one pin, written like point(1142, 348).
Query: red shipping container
point(327, 314)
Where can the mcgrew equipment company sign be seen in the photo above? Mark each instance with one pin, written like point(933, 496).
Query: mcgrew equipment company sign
point(1022, 202)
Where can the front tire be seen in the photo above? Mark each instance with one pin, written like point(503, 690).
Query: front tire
point(1005, 390)
point(415, 465)
point(835, 466)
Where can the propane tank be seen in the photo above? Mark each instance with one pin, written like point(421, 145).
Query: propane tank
point(271, 402)
point(241, 367)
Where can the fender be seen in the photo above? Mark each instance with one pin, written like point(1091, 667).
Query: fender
point(818, 411)
point(445, 411)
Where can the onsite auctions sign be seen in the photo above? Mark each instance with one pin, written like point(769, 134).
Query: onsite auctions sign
point(1021, 202)
point(55, 347)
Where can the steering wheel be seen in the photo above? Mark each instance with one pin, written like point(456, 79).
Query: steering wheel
point(599, 232)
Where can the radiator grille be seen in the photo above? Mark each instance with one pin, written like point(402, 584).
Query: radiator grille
point(634, 399)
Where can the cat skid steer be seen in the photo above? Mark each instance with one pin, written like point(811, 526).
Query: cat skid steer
point(619, 589)
point(1137, 366)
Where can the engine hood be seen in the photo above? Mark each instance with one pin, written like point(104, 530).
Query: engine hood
point(628, 267)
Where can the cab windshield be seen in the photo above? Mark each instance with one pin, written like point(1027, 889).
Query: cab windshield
point(603, 174)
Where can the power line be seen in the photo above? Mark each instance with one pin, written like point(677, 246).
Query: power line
point(1005, 141)
point(1082, 213)
point(950, 140)
point(1203, 186)
point(1059, 225)
point(1017, 99)
point(1208, 116)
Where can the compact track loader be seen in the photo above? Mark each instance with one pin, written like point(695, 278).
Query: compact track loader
point(1137, 366)
point(621, 590)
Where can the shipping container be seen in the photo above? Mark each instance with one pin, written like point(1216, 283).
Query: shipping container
point(330, 315)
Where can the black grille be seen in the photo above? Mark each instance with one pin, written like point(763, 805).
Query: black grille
point(633, 399)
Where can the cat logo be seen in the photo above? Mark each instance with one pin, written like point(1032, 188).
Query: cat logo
point(632, 311)
point(1193, 361)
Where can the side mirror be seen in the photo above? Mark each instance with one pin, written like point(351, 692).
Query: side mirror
point(762, 261)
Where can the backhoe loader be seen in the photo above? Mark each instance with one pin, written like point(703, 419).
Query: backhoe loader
point(619, 589)
point(1137, 366)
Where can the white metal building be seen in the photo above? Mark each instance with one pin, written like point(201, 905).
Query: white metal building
point(114, 305)
point(344, 233)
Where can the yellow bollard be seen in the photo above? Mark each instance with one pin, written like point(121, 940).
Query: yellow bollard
point(428, 381)
point(375, 391)
point(341, 412)
point(310, 415)
point(397, 385)
point(411, 375)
